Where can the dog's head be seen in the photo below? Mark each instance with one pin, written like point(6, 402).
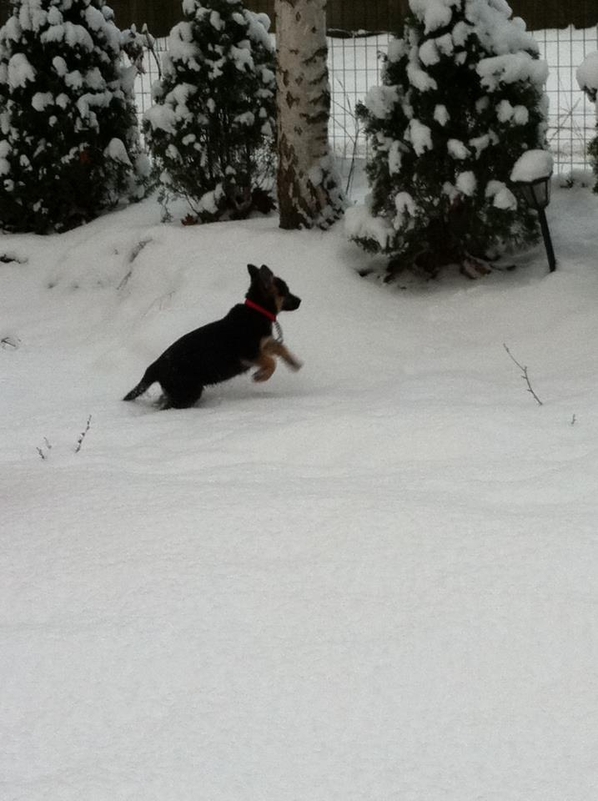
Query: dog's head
point(270, 291)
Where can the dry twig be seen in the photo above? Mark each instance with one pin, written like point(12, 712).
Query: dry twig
point(524, 375)
point(82, 435)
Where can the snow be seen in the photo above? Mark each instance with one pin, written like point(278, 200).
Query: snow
point(395, 157)
point(491, 22)
point(54, 16)
point(216, 21)
point(372, 579)
point(41, 100)
point(457, 149)
point(19, 71)
point(587, 75)
point(60, 65)
point(73, 35)
point(359, 222)
point(117, 151)
point(406, 209)
point(532, 166)
point(511, 68)
point(480, 143)
point(428, 53)
point(4, 152)
point(180, 48)
point(32, 16)
point(502, 196)
point(379, 100)
point(420, 136)
point(518, 115)
point(418, 77)
point(441, 114)
point(242, 57)
point(466, 182)
point(173, 109)
point(434, 13)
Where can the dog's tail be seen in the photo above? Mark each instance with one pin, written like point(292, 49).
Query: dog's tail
point(141, 387)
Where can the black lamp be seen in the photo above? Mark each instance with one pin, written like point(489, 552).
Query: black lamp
point(535, 193)
point(531, 177)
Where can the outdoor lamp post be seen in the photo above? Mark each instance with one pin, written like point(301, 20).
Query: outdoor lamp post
point(531, 176)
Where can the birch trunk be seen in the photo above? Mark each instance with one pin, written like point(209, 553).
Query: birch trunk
point(309, 191)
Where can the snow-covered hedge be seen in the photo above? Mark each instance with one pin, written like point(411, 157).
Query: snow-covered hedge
point(212, 127)
point(69, 139)
point(462, 98)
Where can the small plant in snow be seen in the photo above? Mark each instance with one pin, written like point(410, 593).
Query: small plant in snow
point(69, 139)
point(462, 98)
point(525, 376)
point(212, 127)
point(10, 342)
point(44, 450)
point(82, 435)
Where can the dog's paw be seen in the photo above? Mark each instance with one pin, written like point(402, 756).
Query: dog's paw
point(262, 375)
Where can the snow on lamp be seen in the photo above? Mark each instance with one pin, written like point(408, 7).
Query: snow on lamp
point(531, 176)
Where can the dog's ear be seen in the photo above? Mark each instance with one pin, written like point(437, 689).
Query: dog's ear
point(253, 272)
point(266, 275)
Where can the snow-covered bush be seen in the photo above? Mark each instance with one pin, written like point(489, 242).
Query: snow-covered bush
point(212, 127)
point(587, 78)
point(462, 98)
point(69, 139)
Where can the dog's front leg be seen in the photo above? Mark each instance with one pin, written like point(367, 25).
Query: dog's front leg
point(271, 346)
point(266, 366)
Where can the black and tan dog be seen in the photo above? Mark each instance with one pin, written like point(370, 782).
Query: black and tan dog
point(225, 348)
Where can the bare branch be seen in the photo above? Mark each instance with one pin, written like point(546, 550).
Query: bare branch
point(82, 435)
point(524, 375)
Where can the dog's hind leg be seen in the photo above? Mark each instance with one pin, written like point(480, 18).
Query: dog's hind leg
point(180, 401)
point(179, 397)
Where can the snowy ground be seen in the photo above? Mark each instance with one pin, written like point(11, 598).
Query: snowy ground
point(374, 579)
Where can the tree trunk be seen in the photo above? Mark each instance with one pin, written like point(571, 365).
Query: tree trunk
point(309, 191)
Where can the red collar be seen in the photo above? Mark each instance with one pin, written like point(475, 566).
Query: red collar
point(261, 310)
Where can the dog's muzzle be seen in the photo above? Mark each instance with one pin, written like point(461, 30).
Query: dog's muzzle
point(291, 302)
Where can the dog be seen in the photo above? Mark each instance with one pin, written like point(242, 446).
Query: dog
point(225, 348)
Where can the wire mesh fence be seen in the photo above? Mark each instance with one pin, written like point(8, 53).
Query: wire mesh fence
point(572, 116)
point(354, 66)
